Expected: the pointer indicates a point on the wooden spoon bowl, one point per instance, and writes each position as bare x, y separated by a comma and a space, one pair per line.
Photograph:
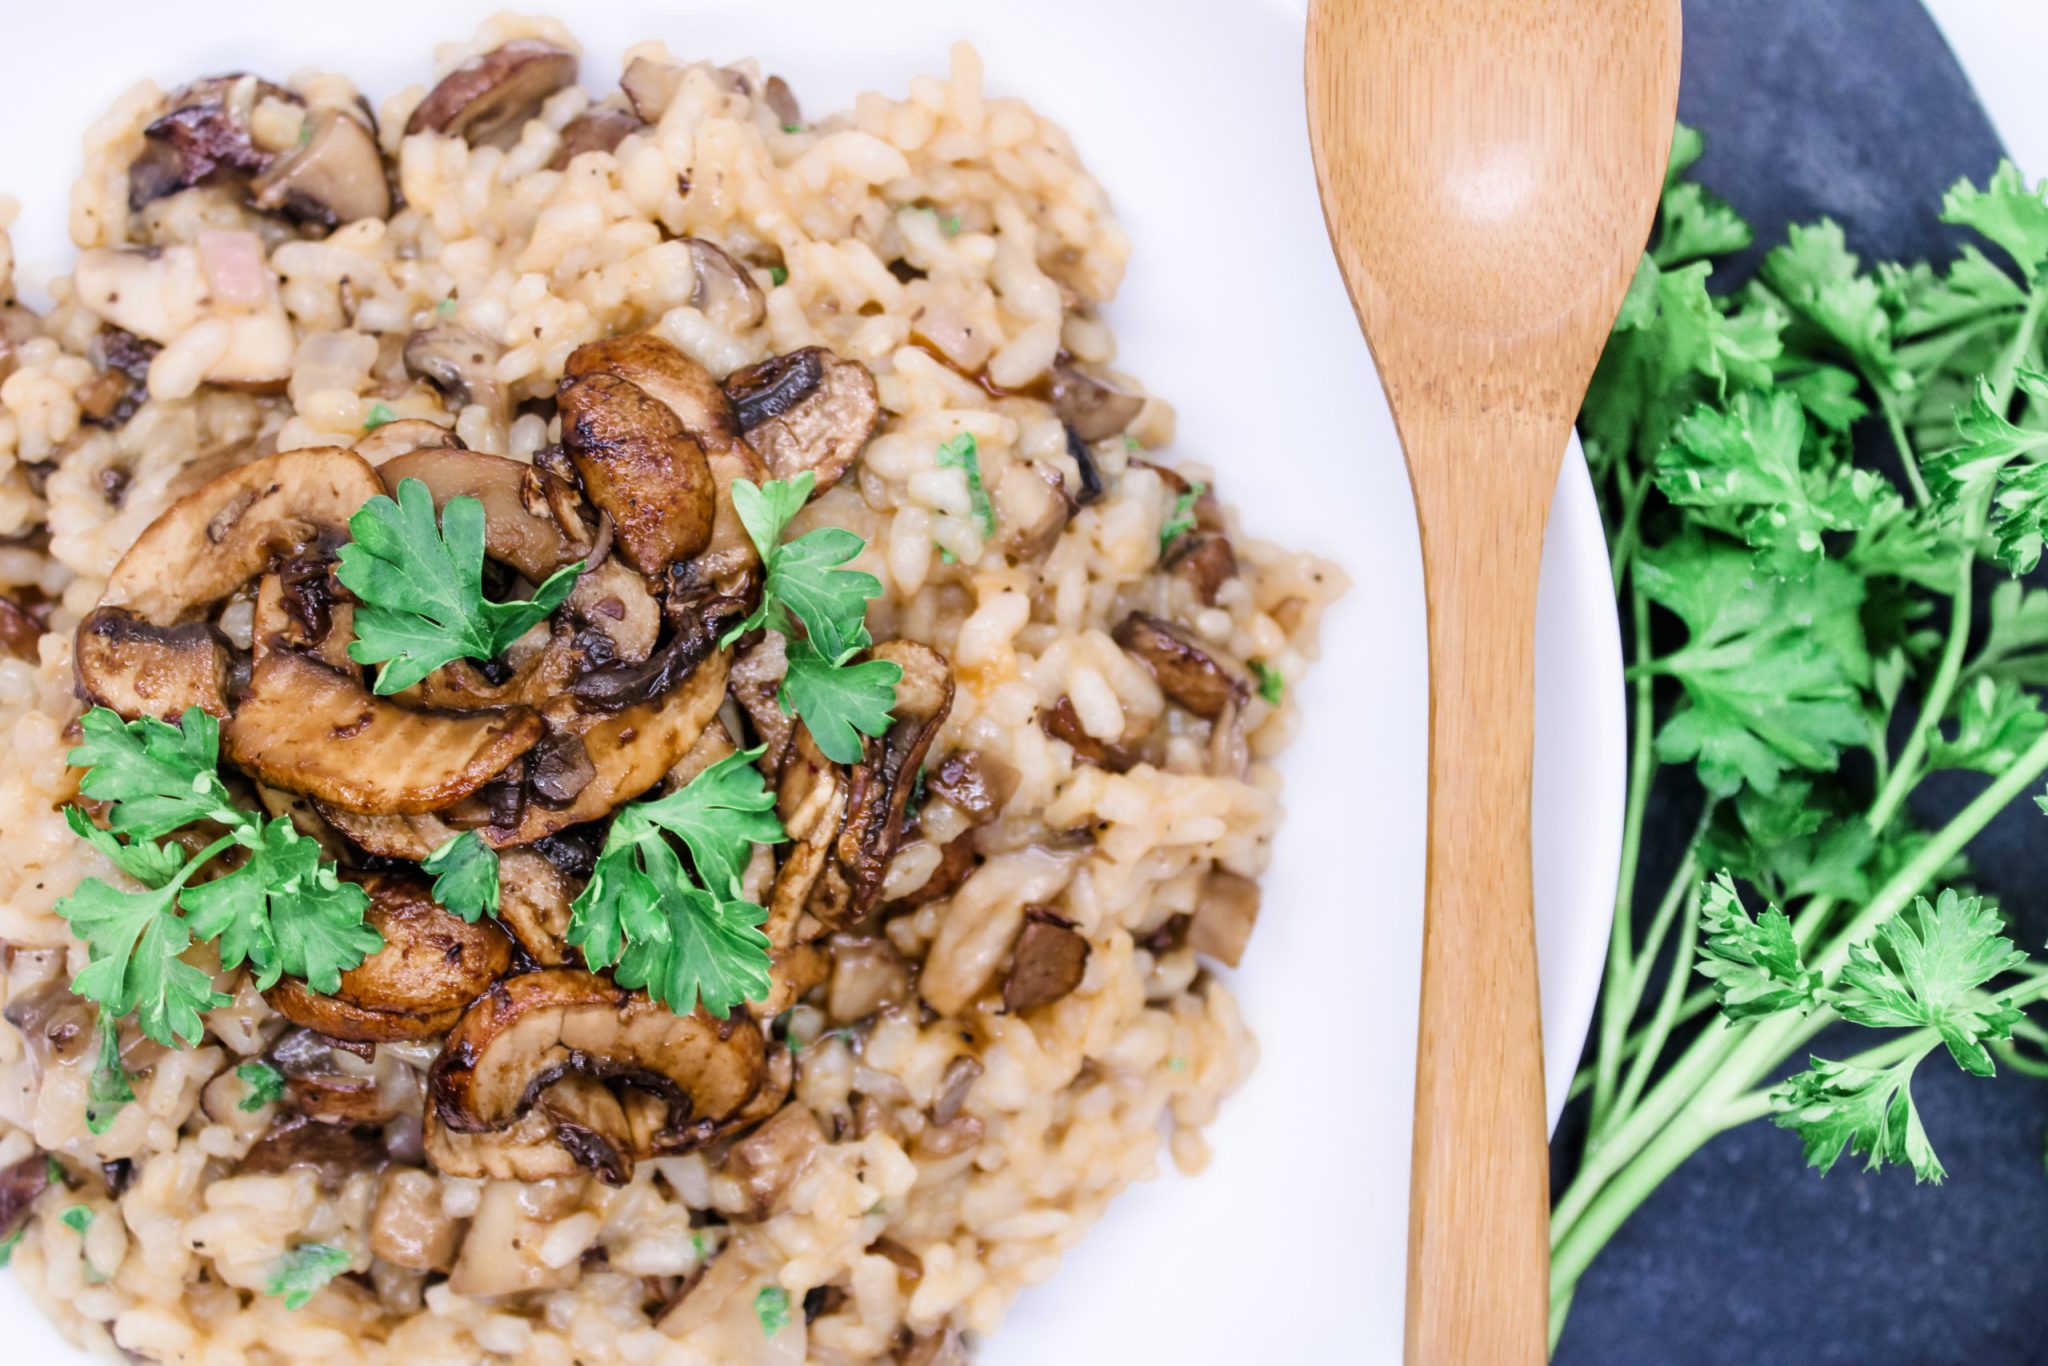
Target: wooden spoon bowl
1489, 172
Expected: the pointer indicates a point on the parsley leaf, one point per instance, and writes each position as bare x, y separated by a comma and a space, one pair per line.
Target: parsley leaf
465, 873
304, 1271
421, 587
842, 702
686, 942
778, 275
284, 911
1816, 274
263, 1083
379, 415
1181, 520
2006, 212
133, 940
771, 1306
1835, 1106
108, 1089
961, 453
1754, 964
159, 776
1924, 967
1995, 722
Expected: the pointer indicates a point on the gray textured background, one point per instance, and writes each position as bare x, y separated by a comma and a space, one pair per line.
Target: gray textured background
1853, 108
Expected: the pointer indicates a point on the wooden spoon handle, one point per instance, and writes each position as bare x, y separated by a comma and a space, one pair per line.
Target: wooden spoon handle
1479, 1195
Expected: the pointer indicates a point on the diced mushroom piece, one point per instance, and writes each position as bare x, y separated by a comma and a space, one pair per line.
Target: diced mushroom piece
1206, 562
533, 903
879, 786
305, 727
808, 410
641, 467
21, 632
943, 1348
979, 784
768, 1161
431, 967
404, 436
204, 136
1187, 674
724, 292
1062, 722
492, 96
781, 101
1225, 911
56, 1026
216, 539
527, 1032
868, 975
409, 1227
501, 1253
959, 1079
1049, 961
612, 601
1084, 461
594, 130
111, 397
956, 865
335, 175
335, 1152
513, 535
161, 293
937, 1142
459, 363
756, 679
20, 1184
138, 669
559, 768
650, 85
1090, 405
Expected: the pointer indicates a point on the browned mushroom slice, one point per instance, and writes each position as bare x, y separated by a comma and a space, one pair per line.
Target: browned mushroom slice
793, 969
576, 1124
21, 632
217, 538
808, 410
296, 610
1187, 674
334, 176
756, 682
1206, 562
978, 784
956, 865
334, 1152
1091, 406
724, 292
411, 838
308, 728
533, 903
770, 1160
528, 1032
810, 801
20, 1184
1062, 722
614, 602
204, 136
394, 439
533, 545
639, 466
139, 669
647, 362
1049, 961
432, 965
110, 398
459, 363
1225, 910
594, 130
495, 94
650, 85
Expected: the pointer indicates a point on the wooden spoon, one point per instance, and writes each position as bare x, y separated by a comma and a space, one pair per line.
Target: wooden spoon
1489, 171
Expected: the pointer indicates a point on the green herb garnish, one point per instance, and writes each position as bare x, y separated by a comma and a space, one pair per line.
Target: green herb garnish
839, 701
263, 1083
420, 586
688, 941
465, 873
771, 1306
1272, 687
282, 911
1181, 520
379, 414
301, 1273
78, 1219
108, 1089
445, 308
792, 128
9, 1243
961, 453
778, 275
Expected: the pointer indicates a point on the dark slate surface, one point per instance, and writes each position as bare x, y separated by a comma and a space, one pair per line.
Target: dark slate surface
1853, 108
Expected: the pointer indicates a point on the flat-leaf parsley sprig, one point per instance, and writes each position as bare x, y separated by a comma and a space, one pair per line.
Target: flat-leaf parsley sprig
839, 701
421, 587
280, 908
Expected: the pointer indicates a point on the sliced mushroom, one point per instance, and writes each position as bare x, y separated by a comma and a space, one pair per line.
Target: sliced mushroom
666, 374
1225, 911
774, 1157
1062, 722
622, 683
1084, 461
1048, 962
527, 1032
513, 535
405, 435
459, 363
756, 682
1206, 562
1091, 406
335, 1152
868, 975
409, 1226
594, 130
203, 137
533, 903
20, 1184
411, 838
305, 727
139, 669
954, 1086
724, 292
1187, 674
161, 293
296, 609
613, 602
21, 630
956, 865
641, 467
56, 1026
122, 385
650, 85
978, 784
576, 1125
334, 176
431, 967
494, 95
808, 410
217, 538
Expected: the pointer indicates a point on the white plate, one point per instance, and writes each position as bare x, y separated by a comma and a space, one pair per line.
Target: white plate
1290, 1248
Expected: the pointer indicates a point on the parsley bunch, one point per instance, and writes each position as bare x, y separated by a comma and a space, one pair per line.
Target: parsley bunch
271, 901
1808, 650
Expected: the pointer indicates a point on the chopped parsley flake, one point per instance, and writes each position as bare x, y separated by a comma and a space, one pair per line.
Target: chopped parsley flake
1272, 686
792, 128
379, 414
264, 1082
301, 1273
78, 1219
1181, 520
771, 1306
446, 308
11, 1242
961, 453
778, 275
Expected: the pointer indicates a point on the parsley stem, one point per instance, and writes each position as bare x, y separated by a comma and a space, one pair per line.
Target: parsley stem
1621, 988
1669, 1004
1909, 459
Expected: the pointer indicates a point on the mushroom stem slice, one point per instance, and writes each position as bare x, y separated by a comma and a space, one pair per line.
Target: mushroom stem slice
140, 669
335, 176
225, 533
307, 728
528, 1032
489, 98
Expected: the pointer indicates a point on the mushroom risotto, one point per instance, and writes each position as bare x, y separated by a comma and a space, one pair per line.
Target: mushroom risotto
622, 744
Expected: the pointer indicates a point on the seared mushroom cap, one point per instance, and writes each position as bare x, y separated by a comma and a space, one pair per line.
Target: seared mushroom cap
494, 94
724, 292
217, 538
575, 1125
335, 176
808, 410
431, 967
528, 1032
641, 467
306, 727
140, 669
594, 130
513, 535
1187, 673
